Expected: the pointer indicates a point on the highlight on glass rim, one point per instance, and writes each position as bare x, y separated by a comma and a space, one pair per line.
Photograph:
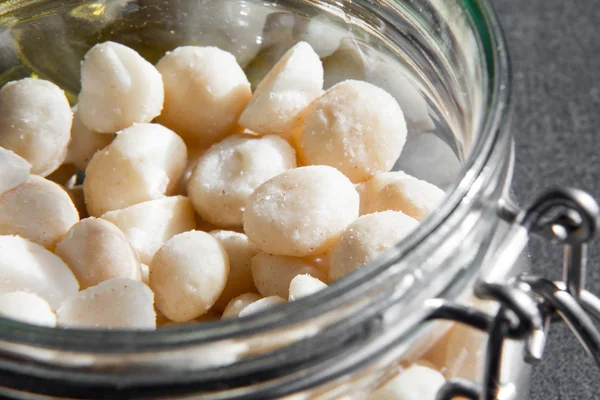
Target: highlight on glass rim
244, 199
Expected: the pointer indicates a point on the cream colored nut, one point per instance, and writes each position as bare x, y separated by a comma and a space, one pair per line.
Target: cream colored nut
301, 212
14, 170
369, 190
366, 238
321, 33
38, 210
237, 304
35, 123
413, 197
261, 305
355, 127
205, 93
145, 274
415, 383
273, 274
96, 251
27, 307
349, 61
84, 143
118, 88
188, 274
428, 157
144, 162
229, 172
304, 285
26, 266
116, 303
149, 225
240, 251
282, 96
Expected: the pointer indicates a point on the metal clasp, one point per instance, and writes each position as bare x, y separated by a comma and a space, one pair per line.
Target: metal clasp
529, 303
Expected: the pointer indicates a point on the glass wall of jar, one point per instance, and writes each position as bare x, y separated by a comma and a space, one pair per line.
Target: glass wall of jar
446, 64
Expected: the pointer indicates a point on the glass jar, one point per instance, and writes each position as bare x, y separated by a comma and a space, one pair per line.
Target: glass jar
446, 63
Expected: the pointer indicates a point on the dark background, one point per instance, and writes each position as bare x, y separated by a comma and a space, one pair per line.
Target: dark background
555, 49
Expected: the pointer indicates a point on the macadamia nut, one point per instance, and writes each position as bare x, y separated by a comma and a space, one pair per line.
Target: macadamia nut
273, 274
415, 383
27, 307
96, 251
355, 127
281, 97
261, 305
366, 238
113, 304
118, 88
188, 274
35, 123
238, 304
26, 266
240, 251
205, 93
369, 190
85, 143
301, 212
38, 210
144, 162
229, 172
149, 225
304, 285
14, 170
413, 197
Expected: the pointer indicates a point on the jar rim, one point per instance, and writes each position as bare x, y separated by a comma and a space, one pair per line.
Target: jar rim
341, 292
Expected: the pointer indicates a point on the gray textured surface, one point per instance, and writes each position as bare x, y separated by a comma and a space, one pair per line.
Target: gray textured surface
555, 49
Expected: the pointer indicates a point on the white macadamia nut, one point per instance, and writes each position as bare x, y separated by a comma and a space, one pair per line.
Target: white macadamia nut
194, 155
26, 266
261, 305
27, 307
14, 170
96, 251
237, 304
118, 88
38, 210
35, 123
145, 274
369, 190
355, 127
229, 172
113, 304
349, 61
149, 225
205, 93
414, 197
85, 143
415, 383
273, 274
428, 157
366, 238
321, 33
188, 274
240, 251
144, 162
304, 285
301, 212
282, 96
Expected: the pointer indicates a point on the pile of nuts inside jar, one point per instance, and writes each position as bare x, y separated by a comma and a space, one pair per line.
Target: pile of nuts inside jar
201, 199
